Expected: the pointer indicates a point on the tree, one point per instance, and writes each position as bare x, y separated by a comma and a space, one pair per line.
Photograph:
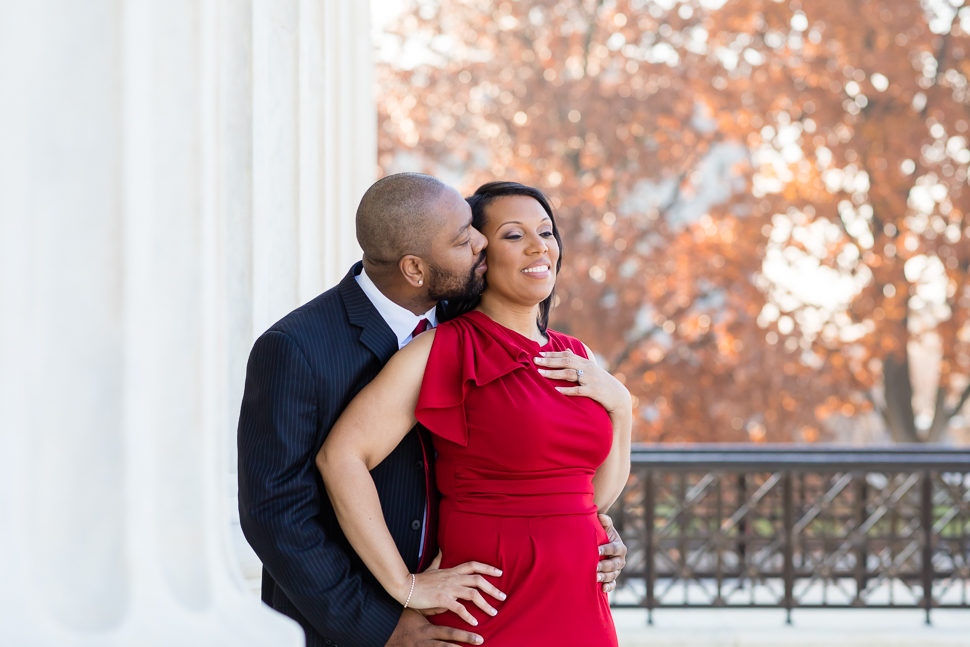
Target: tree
762, 203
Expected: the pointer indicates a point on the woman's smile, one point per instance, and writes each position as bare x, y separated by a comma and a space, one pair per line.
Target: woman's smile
539, 270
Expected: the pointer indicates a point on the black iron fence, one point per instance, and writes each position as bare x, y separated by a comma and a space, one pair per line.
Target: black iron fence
789, 527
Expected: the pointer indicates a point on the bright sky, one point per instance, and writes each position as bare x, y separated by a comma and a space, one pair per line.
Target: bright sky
383, 10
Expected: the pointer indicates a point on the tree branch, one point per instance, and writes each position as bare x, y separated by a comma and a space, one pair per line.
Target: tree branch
959, 405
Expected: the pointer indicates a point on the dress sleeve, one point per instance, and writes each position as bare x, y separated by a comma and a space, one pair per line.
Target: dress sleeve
463, 355
441, 402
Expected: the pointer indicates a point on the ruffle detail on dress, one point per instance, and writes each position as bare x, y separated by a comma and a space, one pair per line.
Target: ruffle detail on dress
469, 349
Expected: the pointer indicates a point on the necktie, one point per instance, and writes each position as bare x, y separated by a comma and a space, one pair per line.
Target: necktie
423, 325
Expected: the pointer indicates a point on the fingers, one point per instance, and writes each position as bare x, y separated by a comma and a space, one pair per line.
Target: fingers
605, 520
480, 582
569, 374
476, 598
564, 359
561, 353
459, 609
469, 568
447, 635
435, 563
613, 549
609, 570
455, 635
609, 586
573, 390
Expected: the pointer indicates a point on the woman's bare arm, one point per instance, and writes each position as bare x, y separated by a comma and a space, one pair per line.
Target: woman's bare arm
369, 429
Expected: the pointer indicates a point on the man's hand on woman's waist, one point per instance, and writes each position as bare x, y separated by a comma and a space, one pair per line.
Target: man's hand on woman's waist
612, 556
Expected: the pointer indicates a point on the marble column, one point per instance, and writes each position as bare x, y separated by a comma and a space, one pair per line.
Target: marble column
175, 175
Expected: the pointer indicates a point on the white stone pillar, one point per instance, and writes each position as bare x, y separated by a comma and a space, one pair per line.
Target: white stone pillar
174, 177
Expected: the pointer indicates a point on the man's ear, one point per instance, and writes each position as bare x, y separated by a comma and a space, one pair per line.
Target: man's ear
414, 270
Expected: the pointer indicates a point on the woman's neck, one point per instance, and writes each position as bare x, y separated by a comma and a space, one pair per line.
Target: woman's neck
521, 319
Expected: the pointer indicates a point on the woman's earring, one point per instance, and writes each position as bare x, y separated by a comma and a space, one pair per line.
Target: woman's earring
420, 281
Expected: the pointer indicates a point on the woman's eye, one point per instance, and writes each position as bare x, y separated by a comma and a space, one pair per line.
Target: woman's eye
513, 237
546, 234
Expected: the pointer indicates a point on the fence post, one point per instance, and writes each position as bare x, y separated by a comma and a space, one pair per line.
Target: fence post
789, 567
648, 557
927, 523
862, 552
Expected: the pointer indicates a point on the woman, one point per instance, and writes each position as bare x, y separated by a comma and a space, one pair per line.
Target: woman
532, 437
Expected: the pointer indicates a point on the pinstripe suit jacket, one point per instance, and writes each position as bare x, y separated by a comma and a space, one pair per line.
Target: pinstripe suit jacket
302, 372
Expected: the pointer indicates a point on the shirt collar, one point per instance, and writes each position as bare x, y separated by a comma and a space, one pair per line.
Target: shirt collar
401, 321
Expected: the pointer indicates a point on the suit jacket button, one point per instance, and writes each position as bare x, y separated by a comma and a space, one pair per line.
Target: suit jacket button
419, 465
415, 525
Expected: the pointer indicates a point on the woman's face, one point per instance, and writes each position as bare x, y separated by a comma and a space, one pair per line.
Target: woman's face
522, 251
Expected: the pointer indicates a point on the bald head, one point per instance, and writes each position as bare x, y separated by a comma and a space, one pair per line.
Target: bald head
397, 216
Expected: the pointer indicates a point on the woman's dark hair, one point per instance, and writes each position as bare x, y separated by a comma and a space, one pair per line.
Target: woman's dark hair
484, 196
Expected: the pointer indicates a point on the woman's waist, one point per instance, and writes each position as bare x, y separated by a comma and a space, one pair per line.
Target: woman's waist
521, 494
503, 540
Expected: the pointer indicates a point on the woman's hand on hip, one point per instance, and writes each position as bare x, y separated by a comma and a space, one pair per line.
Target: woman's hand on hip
442, 589
591, 380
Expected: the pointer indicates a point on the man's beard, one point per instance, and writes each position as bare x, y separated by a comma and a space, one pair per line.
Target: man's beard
443, 286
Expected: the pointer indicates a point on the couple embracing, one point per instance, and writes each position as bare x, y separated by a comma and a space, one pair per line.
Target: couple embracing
421, 460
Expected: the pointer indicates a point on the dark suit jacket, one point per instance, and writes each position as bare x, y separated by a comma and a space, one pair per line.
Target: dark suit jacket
302, 372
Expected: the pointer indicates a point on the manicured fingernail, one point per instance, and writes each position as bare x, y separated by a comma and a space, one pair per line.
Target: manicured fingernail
474, 622
537, 360
502, 596
599, 577
558, 389
477, 640
602, 550
492, 611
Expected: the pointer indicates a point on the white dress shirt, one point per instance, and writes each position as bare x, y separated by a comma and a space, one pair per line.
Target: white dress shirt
402, 323
401, 320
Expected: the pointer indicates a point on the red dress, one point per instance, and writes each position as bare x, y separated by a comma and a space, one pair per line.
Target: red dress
515, 465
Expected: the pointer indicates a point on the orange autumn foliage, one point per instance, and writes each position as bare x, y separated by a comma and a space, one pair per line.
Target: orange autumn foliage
763, 204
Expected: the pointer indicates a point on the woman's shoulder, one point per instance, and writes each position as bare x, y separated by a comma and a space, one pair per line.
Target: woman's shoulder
463, 326
413, 357
560, 341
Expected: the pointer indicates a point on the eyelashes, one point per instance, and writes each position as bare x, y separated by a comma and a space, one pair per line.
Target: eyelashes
545, 234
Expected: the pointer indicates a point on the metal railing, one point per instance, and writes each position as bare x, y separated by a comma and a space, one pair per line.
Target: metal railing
789, 526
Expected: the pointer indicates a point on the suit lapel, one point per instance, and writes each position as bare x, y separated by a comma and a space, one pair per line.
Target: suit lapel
376, 335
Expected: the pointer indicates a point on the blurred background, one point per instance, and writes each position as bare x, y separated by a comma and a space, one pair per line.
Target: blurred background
763, 203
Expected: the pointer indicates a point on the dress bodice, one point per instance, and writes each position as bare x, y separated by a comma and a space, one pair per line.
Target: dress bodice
508, 442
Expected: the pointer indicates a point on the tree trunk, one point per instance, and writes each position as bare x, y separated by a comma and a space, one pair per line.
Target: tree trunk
941, 417
899, 414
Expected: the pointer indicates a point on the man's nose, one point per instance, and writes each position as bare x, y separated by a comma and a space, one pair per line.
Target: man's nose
479, 242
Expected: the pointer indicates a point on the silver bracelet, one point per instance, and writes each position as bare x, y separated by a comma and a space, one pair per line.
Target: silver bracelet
408, 601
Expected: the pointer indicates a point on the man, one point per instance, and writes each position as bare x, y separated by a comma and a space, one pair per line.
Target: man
419, 249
